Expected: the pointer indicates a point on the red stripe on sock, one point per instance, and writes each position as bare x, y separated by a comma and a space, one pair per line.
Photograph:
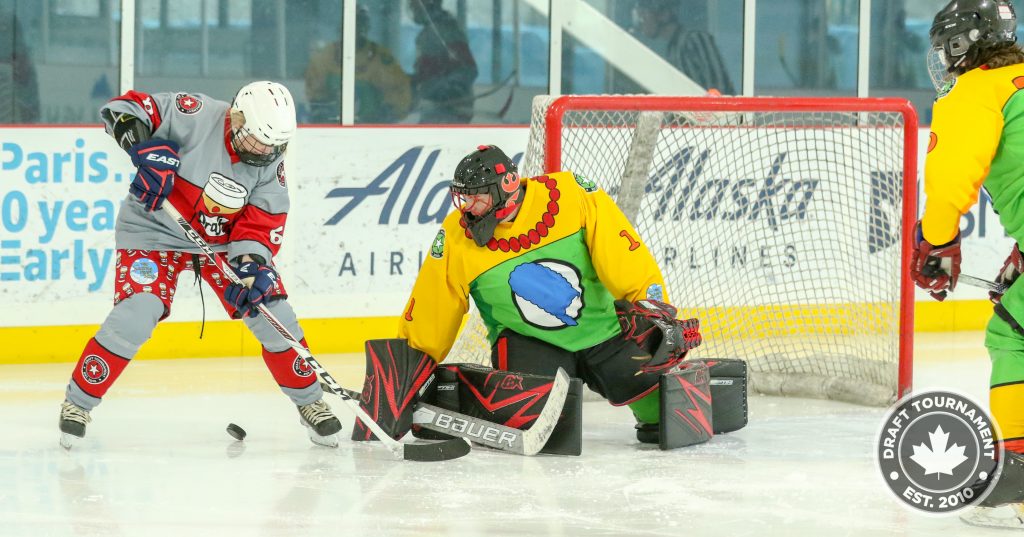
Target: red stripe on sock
97, 369
1014, 444
289, 369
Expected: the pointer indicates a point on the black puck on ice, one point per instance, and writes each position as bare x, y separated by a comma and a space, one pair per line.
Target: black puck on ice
236, 432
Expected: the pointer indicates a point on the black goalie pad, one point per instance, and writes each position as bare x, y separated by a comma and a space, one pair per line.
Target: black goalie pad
395, 375
686, 411
728, 393
507, 398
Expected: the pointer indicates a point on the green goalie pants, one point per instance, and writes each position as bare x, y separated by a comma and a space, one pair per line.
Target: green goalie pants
1005, 345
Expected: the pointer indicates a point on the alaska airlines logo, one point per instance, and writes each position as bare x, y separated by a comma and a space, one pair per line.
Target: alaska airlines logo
425, 200
547, 293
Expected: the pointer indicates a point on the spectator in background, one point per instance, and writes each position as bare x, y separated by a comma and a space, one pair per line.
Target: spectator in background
443, 75
19, 92
694, 52
383, 94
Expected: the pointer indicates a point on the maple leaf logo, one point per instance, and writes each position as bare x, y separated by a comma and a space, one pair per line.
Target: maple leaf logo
937, 459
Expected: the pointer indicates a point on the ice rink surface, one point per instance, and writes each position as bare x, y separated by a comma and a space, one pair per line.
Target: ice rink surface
157, 461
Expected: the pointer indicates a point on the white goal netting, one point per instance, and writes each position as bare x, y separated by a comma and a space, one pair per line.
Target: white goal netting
778, 222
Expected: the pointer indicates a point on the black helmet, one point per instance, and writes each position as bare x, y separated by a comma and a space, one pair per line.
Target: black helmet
486, 171
964, 26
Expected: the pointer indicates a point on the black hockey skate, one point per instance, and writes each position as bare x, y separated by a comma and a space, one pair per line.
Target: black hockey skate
321, 423
647, 433
1004, 505
72, 423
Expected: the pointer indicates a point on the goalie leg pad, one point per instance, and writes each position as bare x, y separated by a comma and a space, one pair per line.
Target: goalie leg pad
443, 392
728, 393
567, 436
395, 375
508, 398
686, 411
515, 352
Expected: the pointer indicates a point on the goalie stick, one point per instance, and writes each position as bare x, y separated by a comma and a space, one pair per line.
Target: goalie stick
494, 435
438, 451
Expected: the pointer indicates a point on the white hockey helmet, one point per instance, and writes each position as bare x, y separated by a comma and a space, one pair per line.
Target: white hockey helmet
269, 111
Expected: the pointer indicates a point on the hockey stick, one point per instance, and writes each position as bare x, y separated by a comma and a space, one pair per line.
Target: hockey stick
982, 283
494, 435
439, 451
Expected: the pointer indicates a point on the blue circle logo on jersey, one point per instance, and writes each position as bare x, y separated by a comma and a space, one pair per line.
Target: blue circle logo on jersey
547, 293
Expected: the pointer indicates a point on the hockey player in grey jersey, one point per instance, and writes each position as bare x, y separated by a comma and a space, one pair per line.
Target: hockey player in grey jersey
222, 167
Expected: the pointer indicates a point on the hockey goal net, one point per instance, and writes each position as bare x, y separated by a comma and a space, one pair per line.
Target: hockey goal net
781, 223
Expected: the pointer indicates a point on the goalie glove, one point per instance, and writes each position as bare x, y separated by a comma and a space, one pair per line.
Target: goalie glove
935, 268
1012, 268
653, 326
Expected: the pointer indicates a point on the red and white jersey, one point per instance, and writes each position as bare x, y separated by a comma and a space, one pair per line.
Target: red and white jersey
239, 209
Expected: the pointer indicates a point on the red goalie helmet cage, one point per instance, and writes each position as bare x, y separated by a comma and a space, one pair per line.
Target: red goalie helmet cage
783, 224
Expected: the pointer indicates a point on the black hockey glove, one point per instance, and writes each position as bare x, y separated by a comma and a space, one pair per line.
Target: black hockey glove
653, 326
260, 283
158, 162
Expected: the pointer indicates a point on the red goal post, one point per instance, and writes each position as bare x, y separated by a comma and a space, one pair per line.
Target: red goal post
782, 223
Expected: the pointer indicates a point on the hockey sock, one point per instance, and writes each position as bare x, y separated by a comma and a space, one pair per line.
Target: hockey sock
95, 372
289, 369
395, 375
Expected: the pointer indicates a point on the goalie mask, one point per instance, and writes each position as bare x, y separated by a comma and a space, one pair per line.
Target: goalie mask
486, 189
963, 27
269, 122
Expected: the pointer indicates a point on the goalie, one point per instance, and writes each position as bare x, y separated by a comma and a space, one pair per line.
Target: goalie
561, 279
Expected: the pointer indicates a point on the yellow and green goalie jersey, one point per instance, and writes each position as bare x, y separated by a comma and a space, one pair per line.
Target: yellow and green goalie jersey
552, 273
977, 140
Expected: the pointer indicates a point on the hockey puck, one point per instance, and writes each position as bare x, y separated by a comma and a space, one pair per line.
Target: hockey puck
236, 432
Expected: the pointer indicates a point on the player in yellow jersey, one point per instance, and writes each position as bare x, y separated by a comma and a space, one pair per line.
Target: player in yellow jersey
976, 141
561, 279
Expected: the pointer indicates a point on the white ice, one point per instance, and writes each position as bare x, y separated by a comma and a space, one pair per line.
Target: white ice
157, 461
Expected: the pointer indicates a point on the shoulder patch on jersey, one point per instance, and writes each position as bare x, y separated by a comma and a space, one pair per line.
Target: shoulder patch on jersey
655, 292
437, 247
585, 183
280, 173
188, 104
946, 88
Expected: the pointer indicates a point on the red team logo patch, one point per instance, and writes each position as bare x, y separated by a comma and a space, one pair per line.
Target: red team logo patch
187, 104
94, 369
280, 173
301, 368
